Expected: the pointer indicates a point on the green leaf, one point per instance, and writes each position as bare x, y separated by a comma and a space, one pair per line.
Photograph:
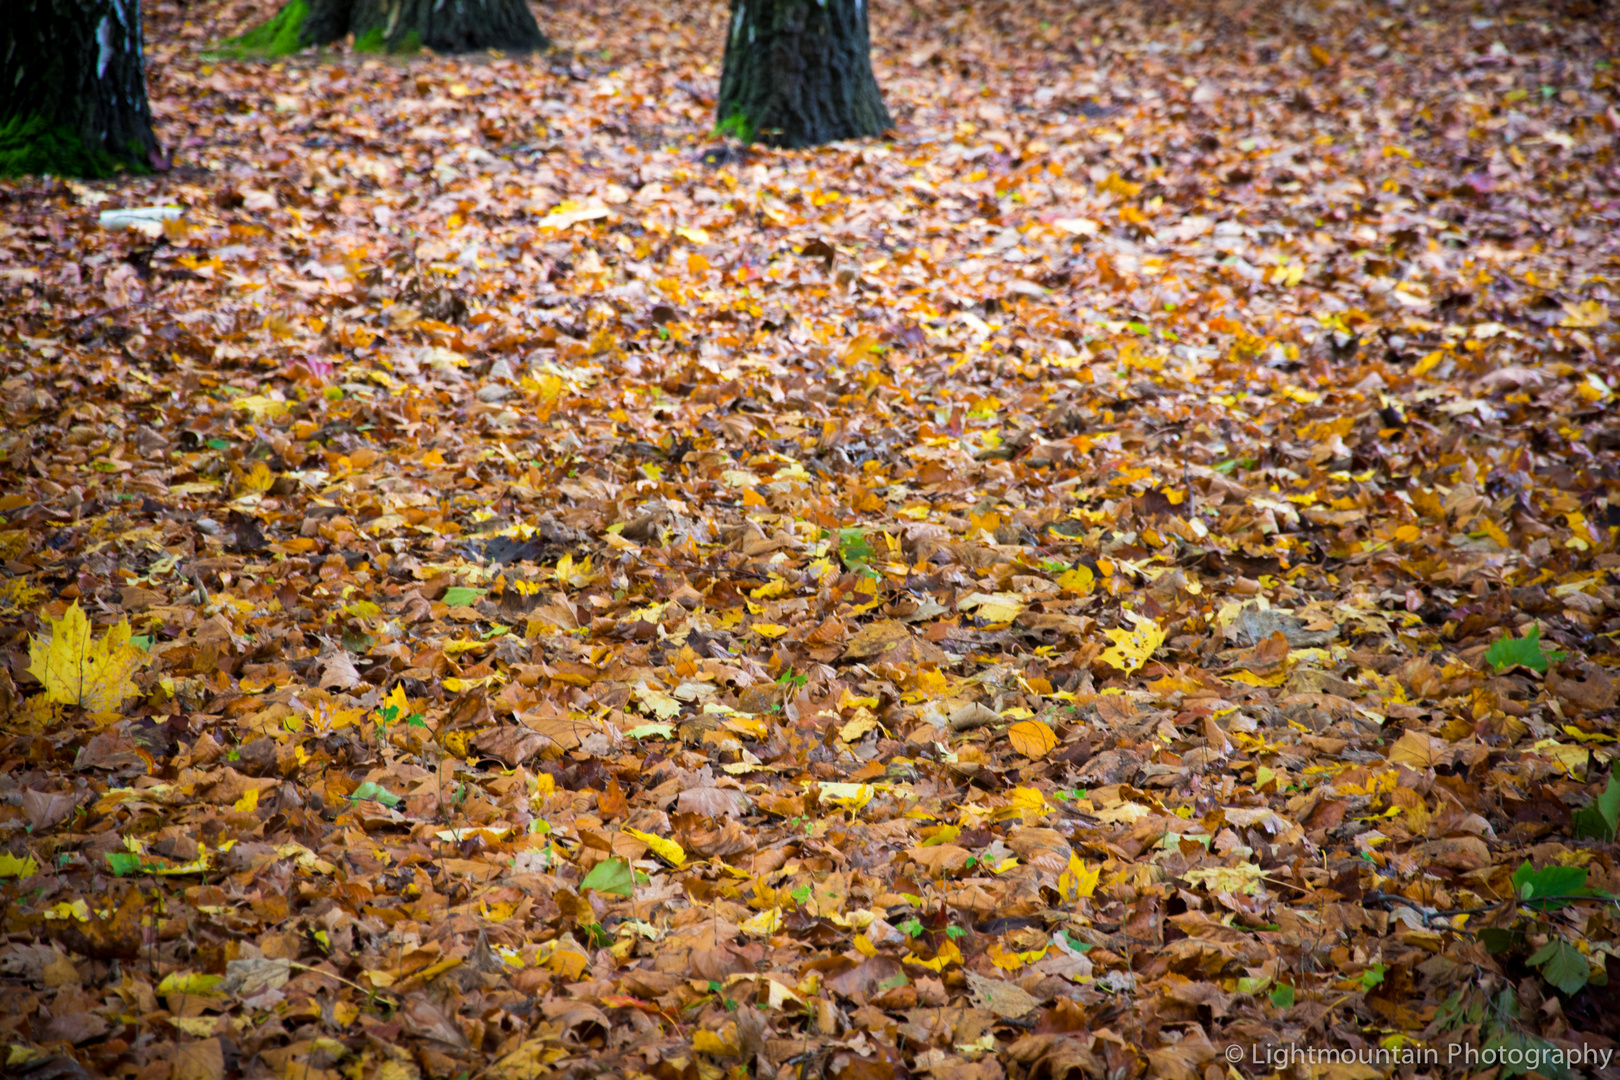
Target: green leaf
1561, 964
1077, 946
1551, 887
1515, 1049
1522, 652
853, 548
461, 595
125, 863
611, 876
801, 895
1372, 977
1282, 996
371, 790
1497, 939
1601, 820
894, 981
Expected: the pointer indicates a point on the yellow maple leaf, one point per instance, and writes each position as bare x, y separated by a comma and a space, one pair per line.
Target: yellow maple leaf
1008, 960
189, 983
1249, 678
568, 960
1080, 580
1026, 803
259, 478
765, 922
1586, 315
77, 669
1132, 648
722, 1043
13, 867
1079, 879
668, 850
946, 955
1243, 878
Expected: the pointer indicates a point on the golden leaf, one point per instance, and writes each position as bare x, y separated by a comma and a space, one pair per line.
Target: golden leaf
1417, 750
863, 722
259, 478
13, 867
656, 702
76, 669
1242, 878
766, 922
1249, 678
668, 850
1080, 580
1586, 315
1132, 648
569, 961
1032, 738
1078, 879
723, 1043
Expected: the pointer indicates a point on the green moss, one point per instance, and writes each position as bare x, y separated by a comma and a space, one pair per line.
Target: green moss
375, 41
35, 146
737, 126
371, 41
281, 36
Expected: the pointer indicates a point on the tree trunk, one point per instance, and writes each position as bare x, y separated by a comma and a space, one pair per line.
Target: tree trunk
73, 89
448, 26
799, 73
396, 26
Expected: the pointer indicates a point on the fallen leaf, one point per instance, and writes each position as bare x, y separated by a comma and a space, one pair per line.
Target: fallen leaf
1032, 738
79, 669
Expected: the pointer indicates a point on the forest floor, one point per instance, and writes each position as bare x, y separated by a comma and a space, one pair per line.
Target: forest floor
1118, 579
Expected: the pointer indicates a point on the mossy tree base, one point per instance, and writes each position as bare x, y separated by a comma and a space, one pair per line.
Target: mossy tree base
799, 73
394, 26
73, 89
283, 34
33, 146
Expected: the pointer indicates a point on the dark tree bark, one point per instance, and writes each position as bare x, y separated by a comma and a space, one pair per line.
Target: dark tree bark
399, 26
799, 73
449, 25
73, 89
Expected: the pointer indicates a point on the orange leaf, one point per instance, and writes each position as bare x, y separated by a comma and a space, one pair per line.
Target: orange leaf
1032, 738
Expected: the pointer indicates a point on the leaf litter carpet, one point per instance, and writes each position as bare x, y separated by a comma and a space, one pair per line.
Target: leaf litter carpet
506, 584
